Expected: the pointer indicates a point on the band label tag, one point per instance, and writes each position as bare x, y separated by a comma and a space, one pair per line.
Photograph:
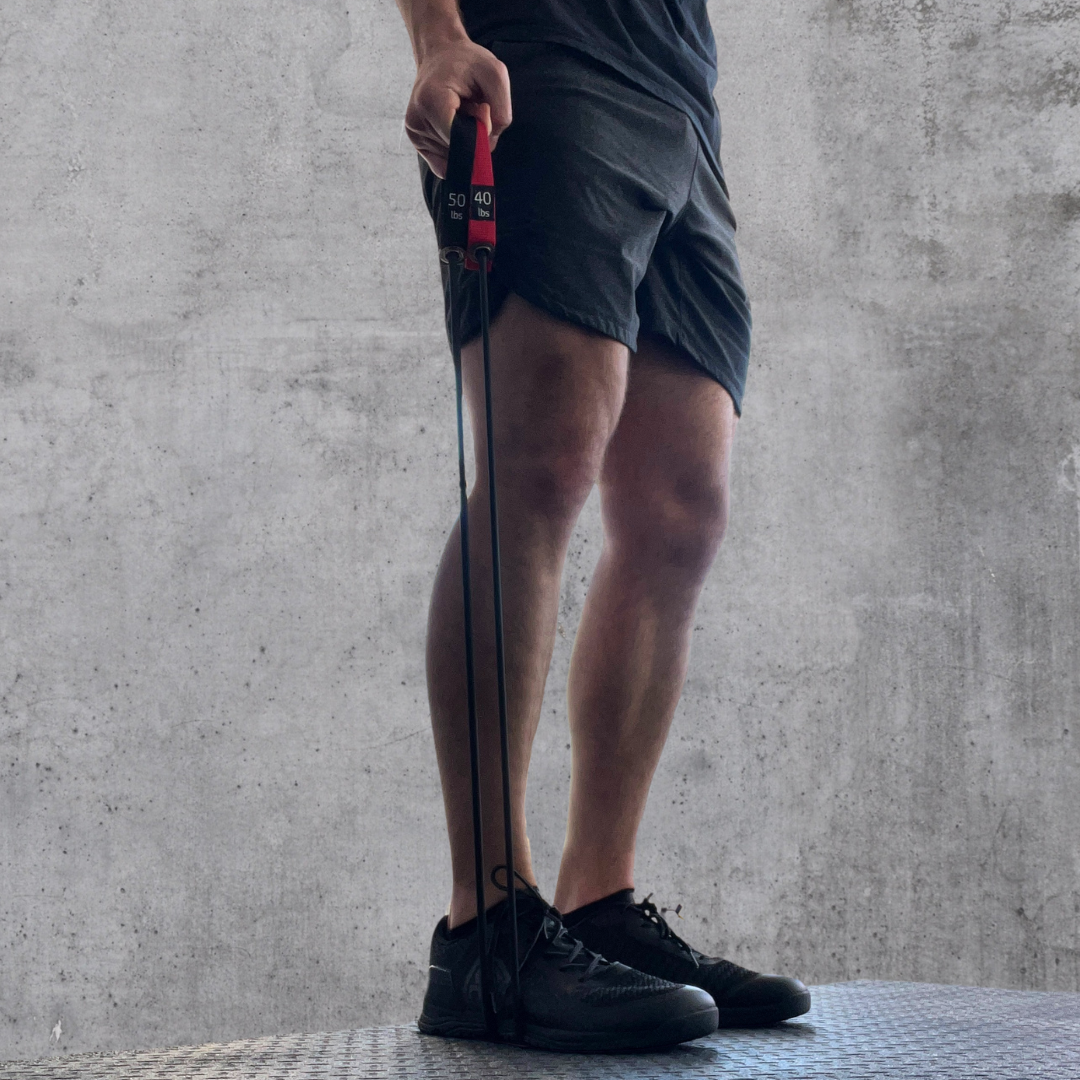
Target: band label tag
483, 203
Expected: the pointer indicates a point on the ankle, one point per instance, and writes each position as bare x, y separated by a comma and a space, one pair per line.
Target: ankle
462, 907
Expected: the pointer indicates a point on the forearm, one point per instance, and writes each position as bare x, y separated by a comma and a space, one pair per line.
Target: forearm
432, 24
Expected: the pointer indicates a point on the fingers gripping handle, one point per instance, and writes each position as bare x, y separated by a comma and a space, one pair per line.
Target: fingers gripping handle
466, 213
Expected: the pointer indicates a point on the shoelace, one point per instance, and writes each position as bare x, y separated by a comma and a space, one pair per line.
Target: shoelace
652, 916
558, 941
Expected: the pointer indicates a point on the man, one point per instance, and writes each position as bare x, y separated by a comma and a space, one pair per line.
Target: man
620, 342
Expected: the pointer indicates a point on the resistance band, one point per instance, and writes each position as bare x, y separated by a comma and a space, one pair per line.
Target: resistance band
465, 225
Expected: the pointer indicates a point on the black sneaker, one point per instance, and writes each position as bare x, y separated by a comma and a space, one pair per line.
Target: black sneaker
638, 935
572, 999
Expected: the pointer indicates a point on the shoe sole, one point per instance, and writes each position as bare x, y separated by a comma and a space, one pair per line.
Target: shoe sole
766, 1014
677, 1030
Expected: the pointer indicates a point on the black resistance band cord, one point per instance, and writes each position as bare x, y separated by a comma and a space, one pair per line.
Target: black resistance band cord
465, 223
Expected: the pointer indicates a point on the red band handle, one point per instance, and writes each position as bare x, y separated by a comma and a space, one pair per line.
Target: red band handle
481, 199
465, 219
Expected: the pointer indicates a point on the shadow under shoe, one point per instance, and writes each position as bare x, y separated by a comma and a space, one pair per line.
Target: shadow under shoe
572, 999
638, 935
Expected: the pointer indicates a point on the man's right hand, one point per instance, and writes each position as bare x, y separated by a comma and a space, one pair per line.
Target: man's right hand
451, 75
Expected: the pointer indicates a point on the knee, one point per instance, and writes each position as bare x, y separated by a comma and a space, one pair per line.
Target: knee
675, 526
551, 478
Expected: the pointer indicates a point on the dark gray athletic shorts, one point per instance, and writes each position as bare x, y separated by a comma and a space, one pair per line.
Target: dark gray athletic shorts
610, 215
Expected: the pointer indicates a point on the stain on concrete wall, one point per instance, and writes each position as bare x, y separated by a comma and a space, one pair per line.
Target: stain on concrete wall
226, 472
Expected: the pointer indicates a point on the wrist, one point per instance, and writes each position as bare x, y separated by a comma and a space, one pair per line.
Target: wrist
436, 34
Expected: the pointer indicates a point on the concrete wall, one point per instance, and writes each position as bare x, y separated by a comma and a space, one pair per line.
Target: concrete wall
226, 471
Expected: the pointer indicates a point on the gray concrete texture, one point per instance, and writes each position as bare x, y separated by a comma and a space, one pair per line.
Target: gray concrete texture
227, 471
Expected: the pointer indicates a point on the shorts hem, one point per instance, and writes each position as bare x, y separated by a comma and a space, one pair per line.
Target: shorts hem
736, 399
547, 303
558, 310
725, 380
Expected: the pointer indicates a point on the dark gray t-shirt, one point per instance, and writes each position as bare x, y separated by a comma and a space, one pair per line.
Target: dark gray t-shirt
664, 46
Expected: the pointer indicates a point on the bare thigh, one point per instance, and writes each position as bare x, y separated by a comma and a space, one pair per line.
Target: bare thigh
558, 391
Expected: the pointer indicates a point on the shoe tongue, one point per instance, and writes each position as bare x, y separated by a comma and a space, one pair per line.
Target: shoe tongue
536, 919
531, 908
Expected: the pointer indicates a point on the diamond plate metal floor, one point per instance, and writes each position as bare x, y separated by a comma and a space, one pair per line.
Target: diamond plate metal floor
855, 1031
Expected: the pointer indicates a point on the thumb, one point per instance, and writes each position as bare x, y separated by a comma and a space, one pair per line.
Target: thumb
480, 110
